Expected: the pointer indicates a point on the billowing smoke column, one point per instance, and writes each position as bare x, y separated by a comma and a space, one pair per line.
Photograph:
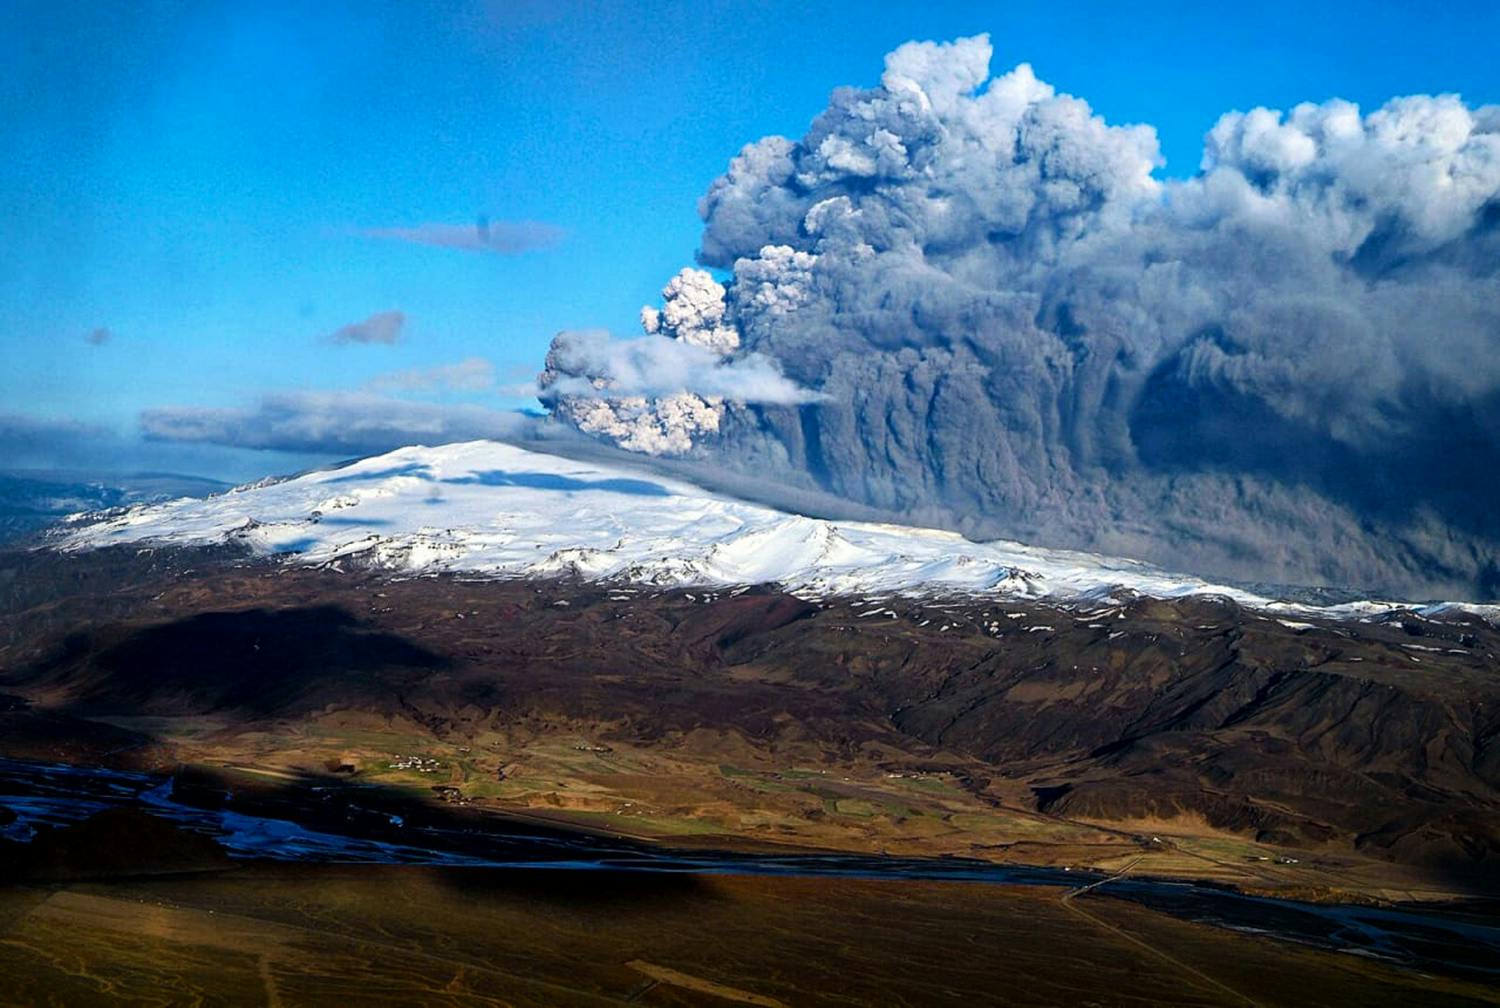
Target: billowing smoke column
1286, 368
656, 395
693, 315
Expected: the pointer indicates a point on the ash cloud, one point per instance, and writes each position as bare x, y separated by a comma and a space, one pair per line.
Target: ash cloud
1286, 368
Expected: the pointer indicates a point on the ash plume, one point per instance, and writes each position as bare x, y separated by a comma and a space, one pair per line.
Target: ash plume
659, 393
1286, 368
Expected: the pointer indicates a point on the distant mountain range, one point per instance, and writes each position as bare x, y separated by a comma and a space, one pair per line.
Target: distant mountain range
31, 499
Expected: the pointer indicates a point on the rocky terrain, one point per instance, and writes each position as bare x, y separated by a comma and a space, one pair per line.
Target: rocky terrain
1199, 735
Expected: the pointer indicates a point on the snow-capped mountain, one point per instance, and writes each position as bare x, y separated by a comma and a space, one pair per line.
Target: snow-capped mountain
485, 508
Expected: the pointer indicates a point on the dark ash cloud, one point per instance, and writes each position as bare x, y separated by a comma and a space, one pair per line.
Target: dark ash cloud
329, 423
484, 235
382, 327
1286, 368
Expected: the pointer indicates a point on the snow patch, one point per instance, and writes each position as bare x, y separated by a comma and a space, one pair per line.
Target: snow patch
494, 510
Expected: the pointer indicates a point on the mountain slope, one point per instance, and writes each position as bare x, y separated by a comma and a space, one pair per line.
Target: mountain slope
586, 611
495, 509
1034, 731
31, 499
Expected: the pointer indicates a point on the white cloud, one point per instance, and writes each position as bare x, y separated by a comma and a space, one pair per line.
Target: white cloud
592, 364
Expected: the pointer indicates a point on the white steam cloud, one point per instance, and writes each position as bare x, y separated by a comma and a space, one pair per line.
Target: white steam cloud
654, 367
658, 394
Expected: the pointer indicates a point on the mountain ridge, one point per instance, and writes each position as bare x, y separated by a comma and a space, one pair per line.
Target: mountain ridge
487, 508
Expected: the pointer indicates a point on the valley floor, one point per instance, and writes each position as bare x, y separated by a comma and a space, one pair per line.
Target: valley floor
364, 935
1191, 739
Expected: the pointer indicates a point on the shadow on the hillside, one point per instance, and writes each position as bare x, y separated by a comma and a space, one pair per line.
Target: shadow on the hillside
528, 480
418, 469
338, 820
258, 661
565, 484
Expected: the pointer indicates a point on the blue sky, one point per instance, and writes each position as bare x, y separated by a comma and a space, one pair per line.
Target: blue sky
198, 179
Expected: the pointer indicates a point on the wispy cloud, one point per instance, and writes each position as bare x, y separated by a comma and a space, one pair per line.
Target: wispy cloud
382, 327
475, 374
484, 235
333, 423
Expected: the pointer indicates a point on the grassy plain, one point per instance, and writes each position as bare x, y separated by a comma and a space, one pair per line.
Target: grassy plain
304, 935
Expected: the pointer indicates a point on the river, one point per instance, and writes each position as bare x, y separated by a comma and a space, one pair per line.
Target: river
43, 794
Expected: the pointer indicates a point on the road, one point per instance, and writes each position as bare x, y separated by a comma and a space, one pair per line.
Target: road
1203, 978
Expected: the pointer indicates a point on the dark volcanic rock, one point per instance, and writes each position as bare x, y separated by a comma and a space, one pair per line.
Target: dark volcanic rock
1380, 735
726, 622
